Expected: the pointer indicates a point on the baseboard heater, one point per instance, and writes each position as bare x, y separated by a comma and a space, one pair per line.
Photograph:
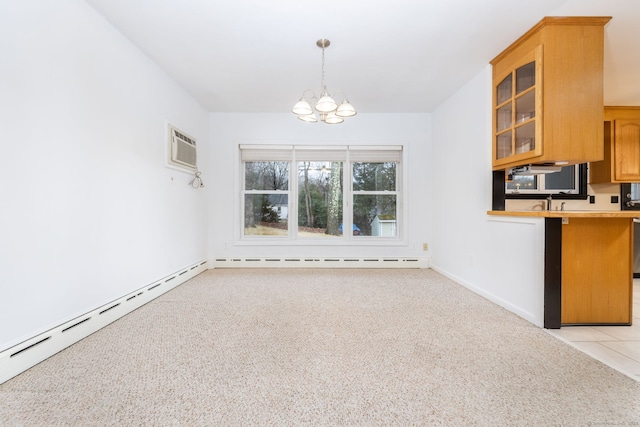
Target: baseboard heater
20, 357
312, 262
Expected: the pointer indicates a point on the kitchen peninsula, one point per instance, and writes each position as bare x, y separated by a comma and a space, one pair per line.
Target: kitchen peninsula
548, 113
588, 266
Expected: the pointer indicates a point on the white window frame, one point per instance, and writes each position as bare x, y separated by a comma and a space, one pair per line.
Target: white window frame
294, 154
542, 188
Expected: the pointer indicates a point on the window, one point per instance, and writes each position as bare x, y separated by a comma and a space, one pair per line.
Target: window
320, 199
331, 193
266, 193
570, 182
375, 198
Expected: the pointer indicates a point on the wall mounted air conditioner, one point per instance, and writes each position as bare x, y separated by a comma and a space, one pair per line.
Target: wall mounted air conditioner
182, 149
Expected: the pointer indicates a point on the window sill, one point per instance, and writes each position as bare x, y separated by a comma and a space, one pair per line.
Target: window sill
364, 241
541, 196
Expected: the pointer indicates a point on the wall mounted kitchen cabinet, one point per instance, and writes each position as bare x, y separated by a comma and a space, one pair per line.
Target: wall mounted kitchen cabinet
621, 162
548, 95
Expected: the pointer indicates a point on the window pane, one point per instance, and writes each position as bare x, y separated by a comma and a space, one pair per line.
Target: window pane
525, 77
503, 145
563, 180
319, 199
375, 215
266, 176
523, 183
504, 90
266, 214
526, 107
635, 191
503, 117
374, 176
526, 138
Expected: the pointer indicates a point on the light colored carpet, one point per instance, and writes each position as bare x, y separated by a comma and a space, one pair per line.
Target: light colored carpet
320, 347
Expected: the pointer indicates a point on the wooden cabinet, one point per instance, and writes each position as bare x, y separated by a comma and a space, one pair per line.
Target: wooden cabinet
621, 162
548, 95
597, 271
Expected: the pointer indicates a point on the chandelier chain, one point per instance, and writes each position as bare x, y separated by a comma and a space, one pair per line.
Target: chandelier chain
322, 86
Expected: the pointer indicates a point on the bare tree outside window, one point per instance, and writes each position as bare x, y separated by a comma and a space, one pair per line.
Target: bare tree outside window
319, 199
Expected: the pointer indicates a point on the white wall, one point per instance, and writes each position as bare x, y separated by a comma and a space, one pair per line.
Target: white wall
88, 211
501, 259
229, 130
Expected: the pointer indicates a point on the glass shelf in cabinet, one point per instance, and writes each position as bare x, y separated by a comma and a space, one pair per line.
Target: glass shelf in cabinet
524, 118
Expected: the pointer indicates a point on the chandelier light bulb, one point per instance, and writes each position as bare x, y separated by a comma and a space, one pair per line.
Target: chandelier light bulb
326, 103
333, 119
345, 109
311, 118
302, 107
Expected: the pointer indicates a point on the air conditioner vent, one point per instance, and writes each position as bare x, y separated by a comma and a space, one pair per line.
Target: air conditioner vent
182, 149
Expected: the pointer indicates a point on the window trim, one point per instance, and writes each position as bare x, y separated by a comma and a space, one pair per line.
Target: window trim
581, 195
363, 153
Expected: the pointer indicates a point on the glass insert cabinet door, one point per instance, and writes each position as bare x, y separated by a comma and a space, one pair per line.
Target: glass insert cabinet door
517, 99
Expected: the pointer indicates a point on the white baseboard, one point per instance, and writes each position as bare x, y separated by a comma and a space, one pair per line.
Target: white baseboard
20, 357
531, 317
313, 262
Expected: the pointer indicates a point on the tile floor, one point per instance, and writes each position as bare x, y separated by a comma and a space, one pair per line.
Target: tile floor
616, 346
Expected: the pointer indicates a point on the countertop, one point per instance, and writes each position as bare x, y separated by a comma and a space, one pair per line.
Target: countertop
569, 214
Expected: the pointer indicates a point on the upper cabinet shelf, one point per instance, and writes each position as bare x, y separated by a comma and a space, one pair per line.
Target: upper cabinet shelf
548, 94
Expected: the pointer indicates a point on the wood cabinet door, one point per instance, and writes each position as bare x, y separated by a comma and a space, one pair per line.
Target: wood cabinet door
517, 113
597, 271
626, 150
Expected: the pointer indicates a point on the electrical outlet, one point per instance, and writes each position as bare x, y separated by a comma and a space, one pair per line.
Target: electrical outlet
425, 246
592, 199
614, 199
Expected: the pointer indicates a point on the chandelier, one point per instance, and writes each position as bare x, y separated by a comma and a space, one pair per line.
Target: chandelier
326, 108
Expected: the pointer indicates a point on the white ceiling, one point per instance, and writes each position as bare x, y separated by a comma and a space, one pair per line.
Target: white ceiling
387, 57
